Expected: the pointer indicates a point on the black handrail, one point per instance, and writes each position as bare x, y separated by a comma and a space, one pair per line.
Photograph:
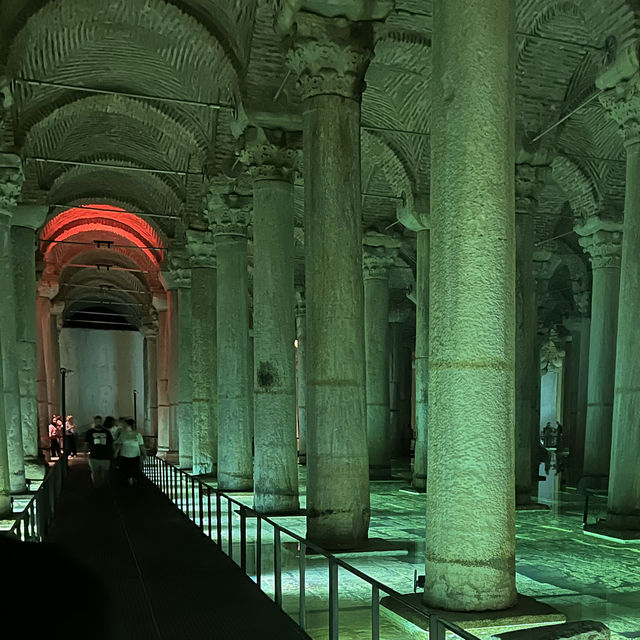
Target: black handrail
170, 479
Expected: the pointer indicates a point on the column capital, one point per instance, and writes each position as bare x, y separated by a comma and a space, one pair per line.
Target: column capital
228, 212
11, 180
602, 240
378, 254
330, 55
201, 249
301, 303
178, 275
414, 213
271, 154
551, 353
620, 86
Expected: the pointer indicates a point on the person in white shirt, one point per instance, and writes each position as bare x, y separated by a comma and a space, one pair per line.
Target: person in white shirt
130, 450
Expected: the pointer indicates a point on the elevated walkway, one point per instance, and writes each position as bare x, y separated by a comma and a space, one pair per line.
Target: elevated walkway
162, 578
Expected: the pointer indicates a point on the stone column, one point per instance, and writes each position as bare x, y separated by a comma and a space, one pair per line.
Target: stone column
602, 240
421, 361
150, 333
167, 441
11, 178
301, 379
378, 257
179, 280
470, 541
23, 248
622, 98
330, 57
205, 352
397, 379
230, 215
271, 160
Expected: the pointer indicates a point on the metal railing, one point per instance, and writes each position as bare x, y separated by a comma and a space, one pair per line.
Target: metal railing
33, 522
203, 505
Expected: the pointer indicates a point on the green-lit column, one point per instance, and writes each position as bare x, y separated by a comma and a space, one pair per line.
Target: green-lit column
330, 57
301, 376
378, 258
602, 240
11, 179
180, 283
622, 98
150, 333
271, 160
205, 351
23, 250
470, 538
230, 216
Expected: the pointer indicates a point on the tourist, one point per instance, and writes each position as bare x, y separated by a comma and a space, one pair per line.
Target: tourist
130, 449
100, 443
54, 437
72, 437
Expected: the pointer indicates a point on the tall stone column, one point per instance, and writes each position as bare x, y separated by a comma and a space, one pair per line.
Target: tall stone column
470, 541
398, 363
622, 99
23, 246
301, 377
421, 361
205, 351
271, 160
229, 215
602, 240
179, 281
150, 333
330, 57
378, 258
11, 178
167, 440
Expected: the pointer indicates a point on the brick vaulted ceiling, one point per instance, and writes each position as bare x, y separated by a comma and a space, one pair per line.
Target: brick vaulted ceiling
226, 52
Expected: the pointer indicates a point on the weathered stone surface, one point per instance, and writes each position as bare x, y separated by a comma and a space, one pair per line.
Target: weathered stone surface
470, 561
579, 630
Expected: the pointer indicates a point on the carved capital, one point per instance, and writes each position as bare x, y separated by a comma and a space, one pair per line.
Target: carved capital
11, 180
529, 180
271, 154
603, 246
201, 248
229, 212
330, 55
301, 303
178, 275
582, 299
150, 327
551, 353
622, 103
379, 252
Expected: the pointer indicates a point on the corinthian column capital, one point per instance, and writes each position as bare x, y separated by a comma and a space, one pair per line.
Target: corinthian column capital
228, 211
529, 179
201, 249
11, 180
270, 154
330, 55
379, 252
604, 248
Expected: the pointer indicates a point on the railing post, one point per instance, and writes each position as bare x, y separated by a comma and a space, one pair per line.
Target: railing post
186, 492
209, 509
302, 601
277, 566
436, 628
230, 526
259, 551
201, 506
193, 497
375, 612
333, 600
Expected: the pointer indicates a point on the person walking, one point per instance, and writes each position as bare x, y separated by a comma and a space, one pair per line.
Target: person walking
130, 449
72, 437
100, 443
54, 437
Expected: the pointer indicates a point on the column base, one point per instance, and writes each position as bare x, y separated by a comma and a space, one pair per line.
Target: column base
276, 505
419, 484
528, 612
618, 528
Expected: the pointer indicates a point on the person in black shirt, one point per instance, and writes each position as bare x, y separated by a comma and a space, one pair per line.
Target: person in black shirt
100, 443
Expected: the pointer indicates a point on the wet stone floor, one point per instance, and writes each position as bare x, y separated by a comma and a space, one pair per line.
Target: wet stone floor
582, 576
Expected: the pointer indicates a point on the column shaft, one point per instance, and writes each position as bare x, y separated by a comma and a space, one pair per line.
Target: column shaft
275, 464
42, 311
184, 358
301, 379
235, 460
10, 380
421, 360
205, 370
470, 541
527, 361
376, 337
165, 442
602, 363
151, 390
624, 487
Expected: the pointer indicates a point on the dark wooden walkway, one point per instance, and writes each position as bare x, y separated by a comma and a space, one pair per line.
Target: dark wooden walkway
163, 579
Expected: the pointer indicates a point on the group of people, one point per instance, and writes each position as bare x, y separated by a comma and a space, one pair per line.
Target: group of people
63, 436
115, 443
